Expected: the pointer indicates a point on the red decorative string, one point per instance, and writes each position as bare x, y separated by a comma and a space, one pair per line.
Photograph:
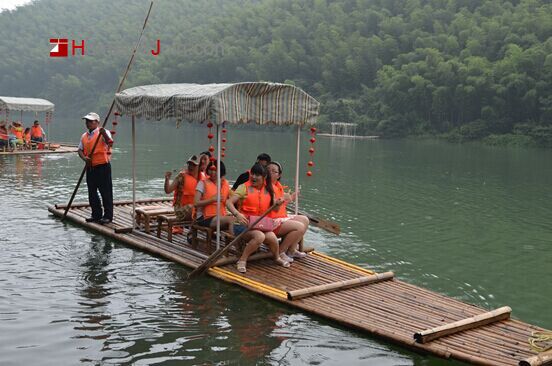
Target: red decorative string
312, 140
224, 139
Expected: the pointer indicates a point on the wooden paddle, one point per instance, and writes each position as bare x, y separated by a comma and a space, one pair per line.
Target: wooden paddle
219, 252
327, 225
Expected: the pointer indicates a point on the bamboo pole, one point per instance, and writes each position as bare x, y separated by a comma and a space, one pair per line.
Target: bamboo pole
119, 87
429, 335
121, 202
337, 286
543, 358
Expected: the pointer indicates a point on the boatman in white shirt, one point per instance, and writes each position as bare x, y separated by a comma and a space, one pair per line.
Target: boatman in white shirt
98, 169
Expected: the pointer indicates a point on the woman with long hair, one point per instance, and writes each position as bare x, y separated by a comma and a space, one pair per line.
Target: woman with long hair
206, 199
291, 228
257, 196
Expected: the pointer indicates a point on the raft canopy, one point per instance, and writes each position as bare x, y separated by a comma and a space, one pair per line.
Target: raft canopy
250, 102
26, 104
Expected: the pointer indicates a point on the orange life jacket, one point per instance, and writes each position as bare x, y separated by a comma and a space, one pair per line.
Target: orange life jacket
27, 136
186, 193
102, 153
256, 202
211, 191
36, 131
278, 193
18, 132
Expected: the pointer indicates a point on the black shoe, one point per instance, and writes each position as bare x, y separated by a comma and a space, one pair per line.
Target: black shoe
105, 221
92, 219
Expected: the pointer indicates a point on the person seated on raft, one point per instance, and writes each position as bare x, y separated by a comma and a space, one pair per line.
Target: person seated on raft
204, 159
257, 196
37, 133
206, 199
17, 130
27, 137
184, 187
262, 159
4, 137
291, 228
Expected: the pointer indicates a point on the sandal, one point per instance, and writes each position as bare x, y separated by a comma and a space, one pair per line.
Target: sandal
297, 254
241, 266
286, 258
282, 262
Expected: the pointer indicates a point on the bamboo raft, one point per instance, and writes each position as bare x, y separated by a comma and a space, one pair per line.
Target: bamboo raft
48, 149
353, 296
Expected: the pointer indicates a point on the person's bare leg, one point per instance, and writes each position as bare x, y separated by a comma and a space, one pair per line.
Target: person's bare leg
292, 232
254, 239
272, 241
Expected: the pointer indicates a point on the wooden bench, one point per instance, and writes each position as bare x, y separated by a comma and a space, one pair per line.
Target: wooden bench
210, 234
144, 215
167, 222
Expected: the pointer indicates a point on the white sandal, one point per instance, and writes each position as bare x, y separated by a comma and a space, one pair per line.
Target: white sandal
241, 265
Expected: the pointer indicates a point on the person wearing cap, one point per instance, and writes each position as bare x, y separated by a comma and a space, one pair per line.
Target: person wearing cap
37, 133
262, 159
184, 187
98, 168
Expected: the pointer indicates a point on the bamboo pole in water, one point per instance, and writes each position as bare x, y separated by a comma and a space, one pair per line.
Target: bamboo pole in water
469, 323
544, 358
339, 285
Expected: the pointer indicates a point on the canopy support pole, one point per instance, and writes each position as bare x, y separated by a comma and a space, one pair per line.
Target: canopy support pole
297, 170
218, 184
133, 169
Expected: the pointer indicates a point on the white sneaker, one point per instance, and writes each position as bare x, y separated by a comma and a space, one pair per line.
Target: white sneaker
298, 254
286, 258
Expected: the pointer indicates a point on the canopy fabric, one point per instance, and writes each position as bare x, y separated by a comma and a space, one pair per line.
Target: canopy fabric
26, 104
257, 102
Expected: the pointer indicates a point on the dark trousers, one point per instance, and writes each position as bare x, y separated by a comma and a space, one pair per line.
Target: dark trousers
98, 178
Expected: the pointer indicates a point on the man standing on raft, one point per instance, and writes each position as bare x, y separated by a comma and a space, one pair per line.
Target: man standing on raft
98, 169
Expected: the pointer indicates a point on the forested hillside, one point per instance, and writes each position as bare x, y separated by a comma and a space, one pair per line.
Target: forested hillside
465, 68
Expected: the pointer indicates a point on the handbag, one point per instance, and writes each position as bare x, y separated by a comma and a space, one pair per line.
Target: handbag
265, 225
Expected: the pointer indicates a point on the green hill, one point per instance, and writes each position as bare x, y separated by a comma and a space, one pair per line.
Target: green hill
467, 68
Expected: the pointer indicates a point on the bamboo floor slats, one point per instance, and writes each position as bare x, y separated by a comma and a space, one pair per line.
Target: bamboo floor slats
391, 309
60, 150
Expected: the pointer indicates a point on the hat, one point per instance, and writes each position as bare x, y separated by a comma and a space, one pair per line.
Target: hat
92, 116
193, 159
36, 121
17, 123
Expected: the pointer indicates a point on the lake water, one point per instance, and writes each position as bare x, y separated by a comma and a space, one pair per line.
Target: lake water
468, 221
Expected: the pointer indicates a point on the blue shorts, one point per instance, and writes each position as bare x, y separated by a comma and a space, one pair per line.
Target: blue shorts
238, 229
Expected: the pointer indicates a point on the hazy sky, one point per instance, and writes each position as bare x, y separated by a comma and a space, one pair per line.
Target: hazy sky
11, 4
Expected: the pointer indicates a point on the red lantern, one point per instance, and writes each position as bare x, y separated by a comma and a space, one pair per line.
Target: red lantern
210, 136
210, 124
113, 132
224, 130
223, 148
212, 158
310, 163
117, 113
311, 150
313, 129
223, 140
312, 140
222, 155
114, 123
309, 174
211, 148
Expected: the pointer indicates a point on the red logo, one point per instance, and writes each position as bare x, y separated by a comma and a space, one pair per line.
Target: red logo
61, 47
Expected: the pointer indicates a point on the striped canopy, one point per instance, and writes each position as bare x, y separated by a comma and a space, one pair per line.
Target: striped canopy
260, 103
26, 104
